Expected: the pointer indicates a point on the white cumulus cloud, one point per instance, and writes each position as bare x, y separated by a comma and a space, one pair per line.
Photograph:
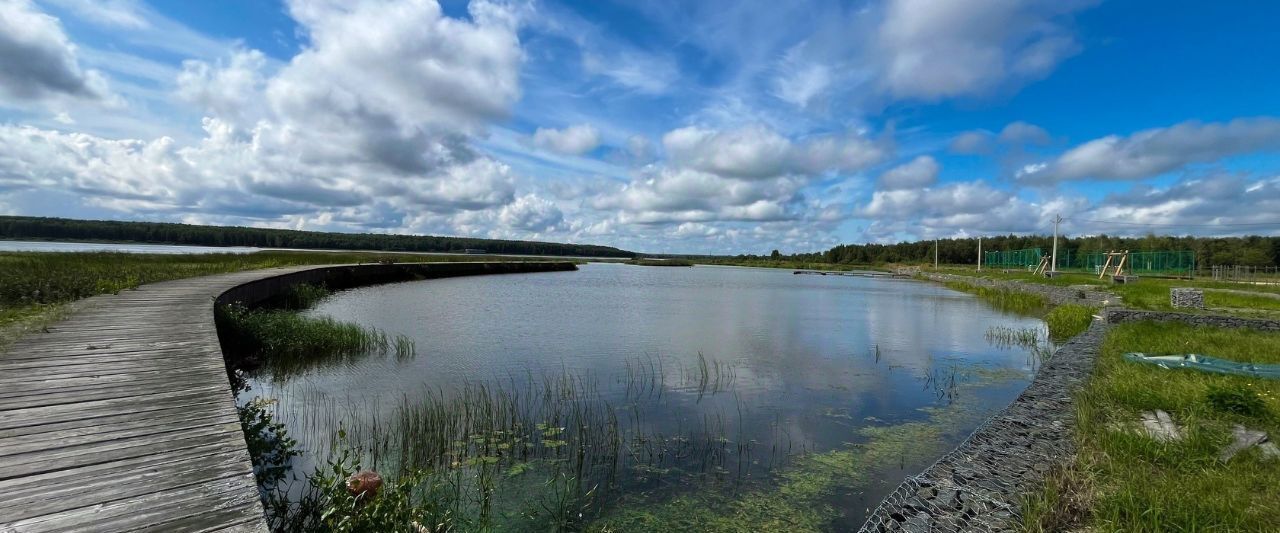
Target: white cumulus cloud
1156, 151
573, 140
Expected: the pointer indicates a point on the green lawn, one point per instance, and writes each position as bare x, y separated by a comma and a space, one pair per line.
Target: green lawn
1122, 480
1153, 293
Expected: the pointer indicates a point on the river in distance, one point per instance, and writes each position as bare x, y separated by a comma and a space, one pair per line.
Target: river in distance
661, 390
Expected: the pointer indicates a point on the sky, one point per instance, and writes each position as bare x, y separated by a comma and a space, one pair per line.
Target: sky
658, 126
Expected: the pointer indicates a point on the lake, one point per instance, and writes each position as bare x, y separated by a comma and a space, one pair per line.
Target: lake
659, 397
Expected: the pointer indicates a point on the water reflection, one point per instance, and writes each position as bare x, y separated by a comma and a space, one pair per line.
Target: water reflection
706, 375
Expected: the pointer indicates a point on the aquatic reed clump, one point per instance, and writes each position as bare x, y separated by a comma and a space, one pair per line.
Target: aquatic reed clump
1006, 337
285, 334
1003, 298
544, 451
286, 342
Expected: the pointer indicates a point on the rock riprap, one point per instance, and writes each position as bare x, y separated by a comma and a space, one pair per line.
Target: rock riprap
978, 486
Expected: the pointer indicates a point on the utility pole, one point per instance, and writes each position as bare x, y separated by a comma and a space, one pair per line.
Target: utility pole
979, 254
1056, 220
935, 254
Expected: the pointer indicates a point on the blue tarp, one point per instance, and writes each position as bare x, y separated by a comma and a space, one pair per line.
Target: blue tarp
1208, 364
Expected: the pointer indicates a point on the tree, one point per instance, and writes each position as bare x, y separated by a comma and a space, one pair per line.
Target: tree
776, 255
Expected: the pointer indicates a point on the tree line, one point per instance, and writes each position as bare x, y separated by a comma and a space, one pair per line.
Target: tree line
65, 229
1209, 251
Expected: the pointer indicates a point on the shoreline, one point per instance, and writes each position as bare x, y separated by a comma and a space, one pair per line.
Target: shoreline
980, 483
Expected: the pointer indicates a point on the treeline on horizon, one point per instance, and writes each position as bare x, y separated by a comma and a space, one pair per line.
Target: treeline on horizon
65, 229
1254, 250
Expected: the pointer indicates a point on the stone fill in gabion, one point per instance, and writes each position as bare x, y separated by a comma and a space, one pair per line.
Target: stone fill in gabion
1184, 297
978, 486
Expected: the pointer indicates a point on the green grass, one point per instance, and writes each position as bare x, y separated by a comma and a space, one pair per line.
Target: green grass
660, 262
1004, 299
788, 264
15, 323
29, 278
1153, 293
287, 343
1122, 480
1068, 320
34, 285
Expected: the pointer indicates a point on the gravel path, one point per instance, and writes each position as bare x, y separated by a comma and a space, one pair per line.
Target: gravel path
979, 485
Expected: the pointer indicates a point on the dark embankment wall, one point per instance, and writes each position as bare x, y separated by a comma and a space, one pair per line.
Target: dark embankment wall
348, 276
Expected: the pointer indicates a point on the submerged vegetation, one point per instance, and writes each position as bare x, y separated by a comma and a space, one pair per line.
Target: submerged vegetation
1124, 480
557, 453
534, 453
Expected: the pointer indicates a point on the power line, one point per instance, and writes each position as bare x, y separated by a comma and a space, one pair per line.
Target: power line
1221, 225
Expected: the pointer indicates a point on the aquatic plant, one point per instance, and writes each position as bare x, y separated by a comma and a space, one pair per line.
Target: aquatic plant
1003, 298
270, 447
1004, 337
286, 343
544, 451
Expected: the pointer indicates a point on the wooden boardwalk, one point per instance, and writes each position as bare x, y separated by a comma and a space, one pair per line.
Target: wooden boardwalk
121, 418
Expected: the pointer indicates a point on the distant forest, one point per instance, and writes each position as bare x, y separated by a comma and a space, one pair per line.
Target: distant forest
65, 229
1209, 251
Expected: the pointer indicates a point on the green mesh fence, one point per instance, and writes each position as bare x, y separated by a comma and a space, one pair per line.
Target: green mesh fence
1029, 257
1177, 262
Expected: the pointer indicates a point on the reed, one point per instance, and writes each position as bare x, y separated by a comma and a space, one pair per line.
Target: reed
544, 451
1002, 298
286, 343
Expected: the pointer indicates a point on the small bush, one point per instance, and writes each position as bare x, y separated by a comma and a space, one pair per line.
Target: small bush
1236, 400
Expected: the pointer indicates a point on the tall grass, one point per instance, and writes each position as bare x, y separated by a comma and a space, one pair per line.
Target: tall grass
1068, 320
287, 343
1122, 480
544, 453
29, 278
1004, 299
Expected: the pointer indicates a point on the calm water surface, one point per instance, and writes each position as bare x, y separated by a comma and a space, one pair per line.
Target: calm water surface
762, 363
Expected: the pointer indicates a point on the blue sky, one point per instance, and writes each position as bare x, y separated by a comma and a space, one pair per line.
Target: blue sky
658, 126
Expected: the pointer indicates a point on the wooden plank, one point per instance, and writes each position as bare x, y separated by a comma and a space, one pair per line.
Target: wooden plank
37, 442
236, 495
86, 479
192, 405
101, 452
120, 418
157, 477
78, 411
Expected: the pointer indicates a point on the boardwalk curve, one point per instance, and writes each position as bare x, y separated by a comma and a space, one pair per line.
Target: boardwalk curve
121, 417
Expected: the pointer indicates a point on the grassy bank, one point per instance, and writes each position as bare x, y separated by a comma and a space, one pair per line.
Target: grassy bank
1123, 480
788, 264
1237, 299
660, 262
34, 285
